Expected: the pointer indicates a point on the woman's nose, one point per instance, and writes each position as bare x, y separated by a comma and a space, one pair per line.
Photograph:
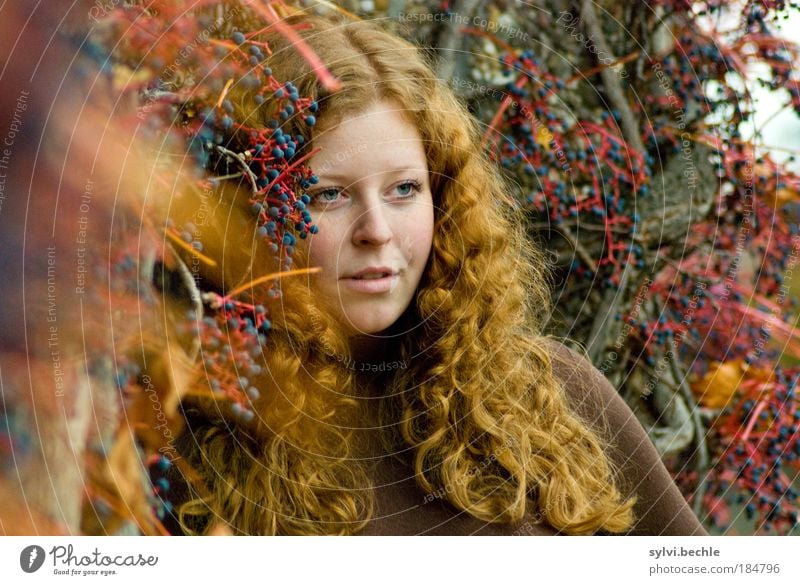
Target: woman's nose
372, 227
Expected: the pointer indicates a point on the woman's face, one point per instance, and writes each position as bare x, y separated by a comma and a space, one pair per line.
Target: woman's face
374, 209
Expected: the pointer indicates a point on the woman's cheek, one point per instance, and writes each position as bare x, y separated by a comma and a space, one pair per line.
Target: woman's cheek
419, 239
323, 247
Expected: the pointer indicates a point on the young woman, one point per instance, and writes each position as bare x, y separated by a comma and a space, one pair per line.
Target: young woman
408, 387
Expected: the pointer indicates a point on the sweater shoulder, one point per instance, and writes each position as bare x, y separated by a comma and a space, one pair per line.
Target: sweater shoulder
660, 508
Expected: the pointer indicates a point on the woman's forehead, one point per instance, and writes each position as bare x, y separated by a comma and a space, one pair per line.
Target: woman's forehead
384, 111
382, 136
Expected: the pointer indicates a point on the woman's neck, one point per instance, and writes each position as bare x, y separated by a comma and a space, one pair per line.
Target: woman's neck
368, 348
383, 347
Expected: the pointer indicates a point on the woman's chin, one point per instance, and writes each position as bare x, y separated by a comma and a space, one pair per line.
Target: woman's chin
369, 323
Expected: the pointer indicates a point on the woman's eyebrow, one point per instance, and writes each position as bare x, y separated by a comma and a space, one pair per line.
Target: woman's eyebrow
397, 171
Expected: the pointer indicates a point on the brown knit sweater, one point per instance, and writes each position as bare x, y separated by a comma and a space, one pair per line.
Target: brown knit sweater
403, 509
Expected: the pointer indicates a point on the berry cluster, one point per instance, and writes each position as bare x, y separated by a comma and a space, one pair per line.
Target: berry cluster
576, 171
232, 341
761, 454
188, 74
716, 300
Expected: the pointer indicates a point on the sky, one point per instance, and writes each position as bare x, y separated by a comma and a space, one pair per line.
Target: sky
783, 130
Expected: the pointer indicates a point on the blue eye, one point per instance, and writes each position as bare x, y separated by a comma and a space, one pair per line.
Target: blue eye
408, 188
405, 190
325, 196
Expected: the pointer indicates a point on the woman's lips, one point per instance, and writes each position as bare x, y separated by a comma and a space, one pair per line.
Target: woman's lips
372, 285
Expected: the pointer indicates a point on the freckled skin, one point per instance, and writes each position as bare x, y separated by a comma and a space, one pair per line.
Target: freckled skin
374, 207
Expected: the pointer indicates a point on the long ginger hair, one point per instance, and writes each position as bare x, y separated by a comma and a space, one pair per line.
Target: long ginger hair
477, 384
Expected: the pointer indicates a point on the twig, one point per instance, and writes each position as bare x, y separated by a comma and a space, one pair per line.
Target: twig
604, 319
272, 276
175, 239
223, 93
239, 158
701, 446
630, 127
451, 36
194, 298
584, 226
680, 270
597, 69
328, 81
578, 247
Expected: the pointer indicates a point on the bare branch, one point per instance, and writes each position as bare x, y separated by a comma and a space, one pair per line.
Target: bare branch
611, 83
451, 38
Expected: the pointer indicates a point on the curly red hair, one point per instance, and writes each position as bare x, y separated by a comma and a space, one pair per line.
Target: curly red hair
478, 385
